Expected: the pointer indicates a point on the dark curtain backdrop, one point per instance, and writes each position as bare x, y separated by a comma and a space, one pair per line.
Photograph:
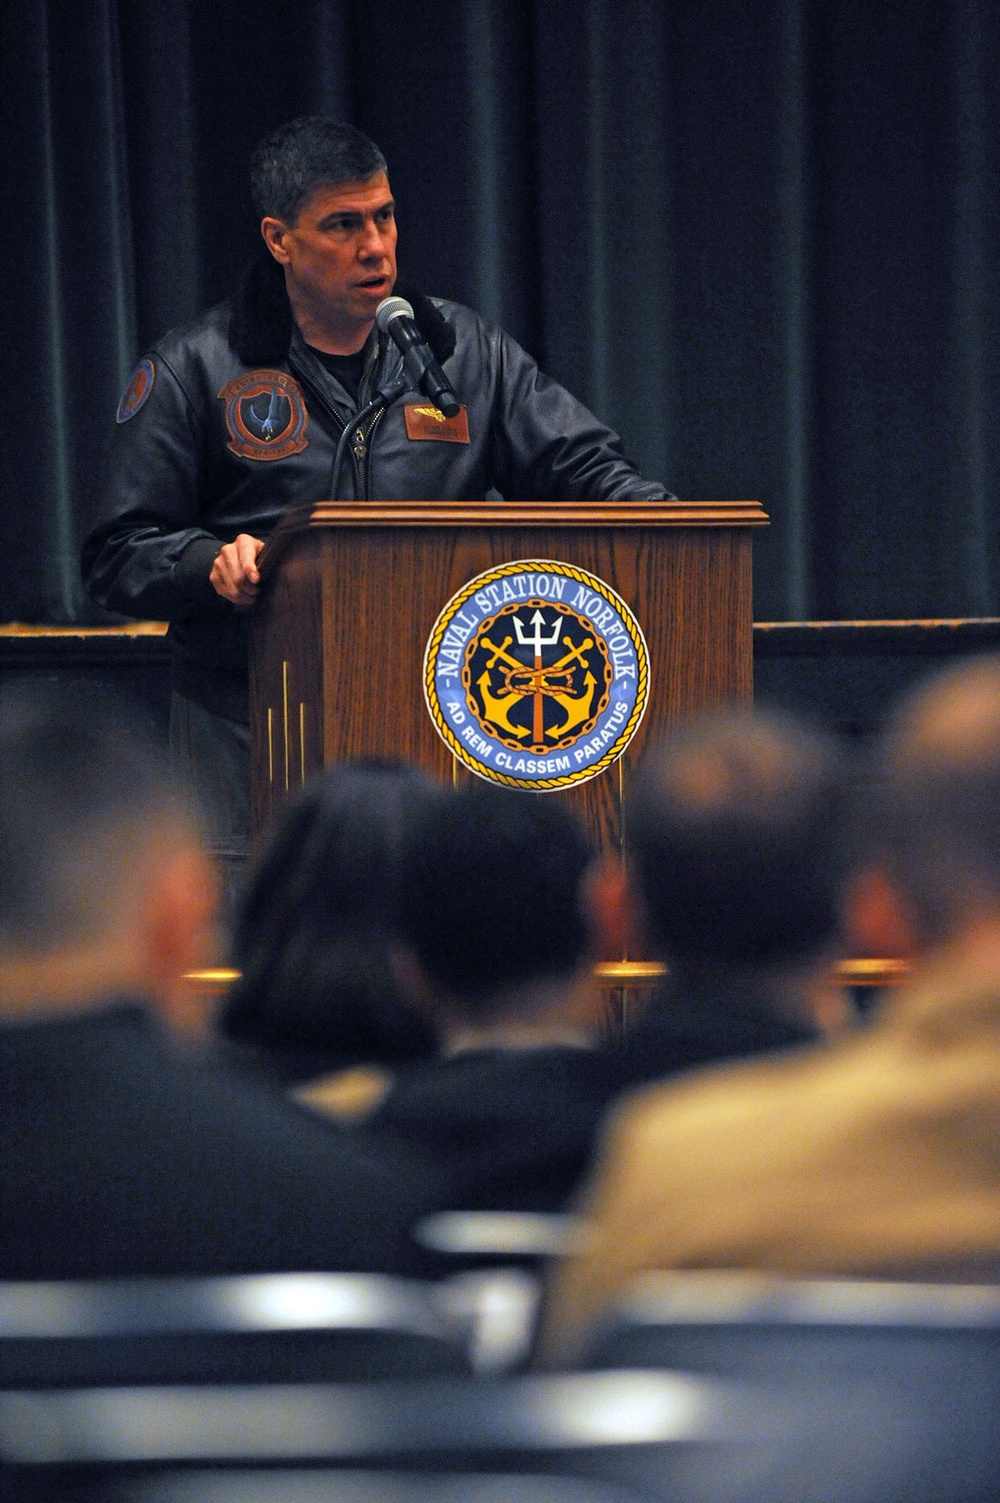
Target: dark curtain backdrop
760, 239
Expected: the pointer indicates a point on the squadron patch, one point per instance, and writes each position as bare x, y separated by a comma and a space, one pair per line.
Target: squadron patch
136, 393
265, 414
536, 675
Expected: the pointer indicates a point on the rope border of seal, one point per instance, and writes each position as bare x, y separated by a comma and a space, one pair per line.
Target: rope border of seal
581, 576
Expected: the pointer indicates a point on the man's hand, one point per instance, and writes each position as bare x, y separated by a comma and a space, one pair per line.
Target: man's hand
234, 574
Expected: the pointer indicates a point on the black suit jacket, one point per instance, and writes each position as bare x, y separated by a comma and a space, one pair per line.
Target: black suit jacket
515, 1129
120, 1156
510, 1129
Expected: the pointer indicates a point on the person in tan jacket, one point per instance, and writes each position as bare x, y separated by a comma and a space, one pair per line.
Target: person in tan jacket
875, 1154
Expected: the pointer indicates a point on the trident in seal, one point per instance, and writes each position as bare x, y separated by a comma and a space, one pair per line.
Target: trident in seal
538, 641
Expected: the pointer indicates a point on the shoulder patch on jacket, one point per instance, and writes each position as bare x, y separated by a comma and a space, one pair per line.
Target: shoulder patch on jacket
136, 393
265, 414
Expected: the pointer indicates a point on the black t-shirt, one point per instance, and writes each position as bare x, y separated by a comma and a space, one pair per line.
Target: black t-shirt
348, 369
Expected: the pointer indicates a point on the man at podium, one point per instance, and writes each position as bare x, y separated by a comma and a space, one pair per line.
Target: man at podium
238, 415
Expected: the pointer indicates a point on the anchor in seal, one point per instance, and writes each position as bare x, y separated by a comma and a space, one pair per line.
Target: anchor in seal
537, 683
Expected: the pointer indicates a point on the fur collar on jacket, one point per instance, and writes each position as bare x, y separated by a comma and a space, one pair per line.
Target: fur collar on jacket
261, 327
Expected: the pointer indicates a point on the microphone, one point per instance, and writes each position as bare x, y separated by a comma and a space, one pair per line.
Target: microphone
394, 317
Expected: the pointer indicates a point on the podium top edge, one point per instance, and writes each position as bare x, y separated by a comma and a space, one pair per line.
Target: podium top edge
527, 513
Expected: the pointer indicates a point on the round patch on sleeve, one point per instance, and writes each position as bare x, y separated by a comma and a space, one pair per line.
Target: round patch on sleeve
136, 393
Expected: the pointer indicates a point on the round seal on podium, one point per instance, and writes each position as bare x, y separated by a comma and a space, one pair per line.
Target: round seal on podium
536, 675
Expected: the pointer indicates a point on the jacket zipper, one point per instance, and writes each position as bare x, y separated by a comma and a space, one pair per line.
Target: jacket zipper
360, 441
361, 447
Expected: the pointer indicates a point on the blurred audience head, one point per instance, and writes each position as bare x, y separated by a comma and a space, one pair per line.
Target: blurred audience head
937, 788
494, 909
318, 919
738, 844
103, 885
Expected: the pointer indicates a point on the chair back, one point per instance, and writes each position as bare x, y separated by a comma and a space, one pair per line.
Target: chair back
273, 1327
598, 1437
749, 1325
496, 1288
576, 1439
925, 1359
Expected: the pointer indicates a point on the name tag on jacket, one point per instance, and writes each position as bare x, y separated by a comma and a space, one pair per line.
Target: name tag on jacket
425, 421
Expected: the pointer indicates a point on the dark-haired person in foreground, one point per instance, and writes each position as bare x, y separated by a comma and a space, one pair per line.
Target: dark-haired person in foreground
318, 1005
122, 1152
235, 417
878, 1154
739, 860
494, 918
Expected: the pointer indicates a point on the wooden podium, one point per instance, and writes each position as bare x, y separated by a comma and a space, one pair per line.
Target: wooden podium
351, 594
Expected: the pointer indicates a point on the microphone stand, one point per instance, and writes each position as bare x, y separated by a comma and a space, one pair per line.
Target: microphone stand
383, 398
